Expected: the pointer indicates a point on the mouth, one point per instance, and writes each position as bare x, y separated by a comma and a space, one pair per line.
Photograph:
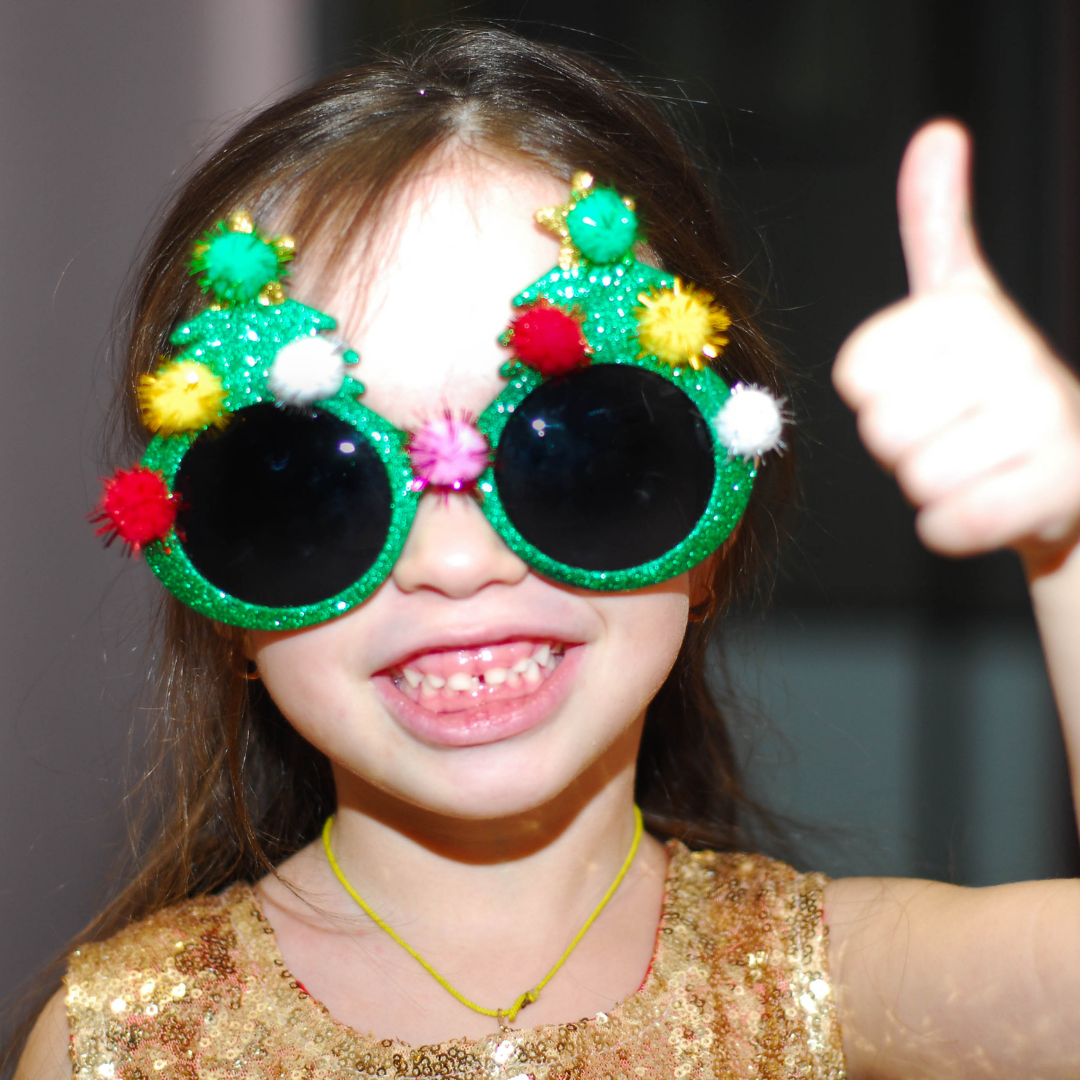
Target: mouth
481, 694
460, 679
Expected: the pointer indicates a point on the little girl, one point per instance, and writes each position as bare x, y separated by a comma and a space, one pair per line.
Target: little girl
446, 508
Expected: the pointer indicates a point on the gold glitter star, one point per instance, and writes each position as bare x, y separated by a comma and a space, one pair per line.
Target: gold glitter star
240, 221
272, 294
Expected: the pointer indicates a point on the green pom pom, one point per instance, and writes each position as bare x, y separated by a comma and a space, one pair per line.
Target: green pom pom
235, 266
602, 227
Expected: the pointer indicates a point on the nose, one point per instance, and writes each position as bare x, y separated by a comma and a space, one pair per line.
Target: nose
451, 549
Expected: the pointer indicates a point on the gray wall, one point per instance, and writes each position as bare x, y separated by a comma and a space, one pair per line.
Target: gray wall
103, 105
887, 745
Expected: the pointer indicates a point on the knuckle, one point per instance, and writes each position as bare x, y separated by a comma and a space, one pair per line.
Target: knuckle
879, 436
958, 527
873, 352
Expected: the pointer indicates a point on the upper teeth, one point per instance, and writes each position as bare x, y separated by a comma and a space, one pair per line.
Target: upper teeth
528, 668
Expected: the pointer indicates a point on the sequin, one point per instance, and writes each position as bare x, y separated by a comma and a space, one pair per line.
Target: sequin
738, 988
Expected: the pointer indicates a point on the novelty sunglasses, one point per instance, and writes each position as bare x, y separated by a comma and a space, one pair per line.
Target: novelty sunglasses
271, 497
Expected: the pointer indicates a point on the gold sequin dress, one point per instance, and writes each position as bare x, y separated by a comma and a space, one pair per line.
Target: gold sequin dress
738, 988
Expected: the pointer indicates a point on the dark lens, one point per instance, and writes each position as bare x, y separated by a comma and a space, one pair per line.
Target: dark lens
607, 468
283, 507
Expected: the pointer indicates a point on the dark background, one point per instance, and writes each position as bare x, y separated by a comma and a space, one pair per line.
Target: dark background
905, 722
804, 107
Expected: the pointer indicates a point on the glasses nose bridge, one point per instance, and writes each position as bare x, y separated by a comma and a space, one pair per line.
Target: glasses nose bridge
452, 549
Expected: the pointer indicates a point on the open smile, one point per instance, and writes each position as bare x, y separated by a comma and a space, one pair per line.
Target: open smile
481, 694
460, 679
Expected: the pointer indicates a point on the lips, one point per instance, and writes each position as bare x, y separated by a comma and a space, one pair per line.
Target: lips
479, 694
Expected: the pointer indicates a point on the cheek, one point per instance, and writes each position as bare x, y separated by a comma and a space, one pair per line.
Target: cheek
645, 631
319, 680
307, 679
314, 684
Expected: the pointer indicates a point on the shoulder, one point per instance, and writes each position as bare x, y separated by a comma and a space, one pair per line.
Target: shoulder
46, 1055
751, 929
156, 977
731, 888
191, 935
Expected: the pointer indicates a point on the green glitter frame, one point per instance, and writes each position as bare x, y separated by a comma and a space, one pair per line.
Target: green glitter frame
607, 297
239, 343
177, 573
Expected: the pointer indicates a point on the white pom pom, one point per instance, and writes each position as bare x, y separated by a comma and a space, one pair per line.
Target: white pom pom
306, 370
750, 423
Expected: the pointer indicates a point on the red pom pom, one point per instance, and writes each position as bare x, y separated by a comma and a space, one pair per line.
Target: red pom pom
549, 339
135, 506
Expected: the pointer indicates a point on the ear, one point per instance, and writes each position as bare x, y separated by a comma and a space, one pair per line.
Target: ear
706, 586
701, 581
703, 586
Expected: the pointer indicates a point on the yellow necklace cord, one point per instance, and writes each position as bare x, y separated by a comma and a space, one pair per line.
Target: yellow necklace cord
529, 996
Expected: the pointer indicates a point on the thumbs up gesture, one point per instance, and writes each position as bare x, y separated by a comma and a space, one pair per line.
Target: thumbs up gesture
955, 391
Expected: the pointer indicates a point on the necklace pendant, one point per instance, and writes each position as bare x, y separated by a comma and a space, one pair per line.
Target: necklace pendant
504, 1021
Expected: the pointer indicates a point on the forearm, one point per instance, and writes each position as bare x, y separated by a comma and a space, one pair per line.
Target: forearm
1055, 596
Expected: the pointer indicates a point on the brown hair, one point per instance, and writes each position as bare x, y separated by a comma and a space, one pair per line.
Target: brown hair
237, 788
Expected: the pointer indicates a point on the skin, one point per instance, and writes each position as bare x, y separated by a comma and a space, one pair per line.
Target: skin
465, 846
489, 857
960, 397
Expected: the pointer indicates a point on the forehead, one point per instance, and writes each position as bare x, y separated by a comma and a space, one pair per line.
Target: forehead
429, 291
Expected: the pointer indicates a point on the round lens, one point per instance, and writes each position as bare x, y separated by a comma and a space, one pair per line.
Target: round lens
607, 468
284, 507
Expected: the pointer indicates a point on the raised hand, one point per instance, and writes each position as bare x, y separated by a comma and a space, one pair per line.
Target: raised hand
956, 392
964, 401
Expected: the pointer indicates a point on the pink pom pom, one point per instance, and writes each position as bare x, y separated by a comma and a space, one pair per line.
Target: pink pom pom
448, 454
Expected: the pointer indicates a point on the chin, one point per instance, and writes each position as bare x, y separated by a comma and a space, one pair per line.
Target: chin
554, 766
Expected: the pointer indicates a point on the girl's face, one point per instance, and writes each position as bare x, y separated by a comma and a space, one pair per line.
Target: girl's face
466, 685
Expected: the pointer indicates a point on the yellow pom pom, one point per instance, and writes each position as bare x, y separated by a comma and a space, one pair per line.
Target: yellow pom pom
681, 325
181, 396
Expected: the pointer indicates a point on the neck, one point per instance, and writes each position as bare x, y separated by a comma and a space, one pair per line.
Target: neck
558, 857
490, 903
401, 855
366, 816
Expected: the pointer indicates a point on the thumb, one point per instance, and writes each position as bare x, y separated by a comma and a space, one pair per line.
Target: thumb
933, 197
